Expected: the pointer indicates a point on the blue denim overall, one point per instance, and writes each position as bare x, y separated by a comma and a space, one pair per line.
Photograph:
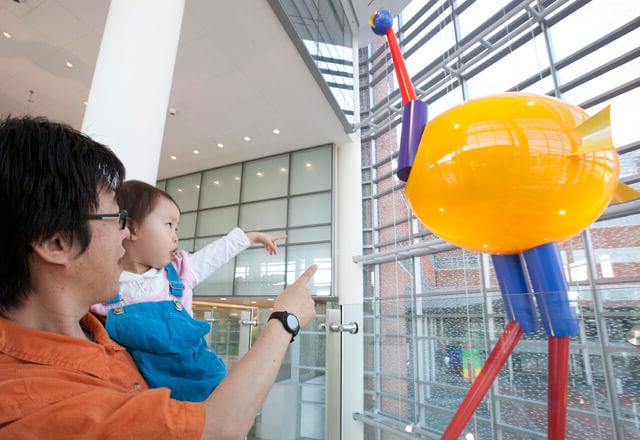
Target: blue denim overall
167, 344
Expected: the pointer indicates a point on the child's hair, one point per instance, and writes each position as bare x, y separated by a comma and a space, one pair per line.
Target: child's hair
139, 199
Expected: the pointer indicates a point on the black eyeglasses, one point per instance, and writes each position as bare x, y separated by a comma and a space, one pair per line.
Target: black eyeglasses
121, 216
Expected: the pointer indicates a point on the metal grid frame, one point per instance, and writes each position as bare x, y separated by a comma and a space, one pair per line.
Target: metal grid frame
517, 23
162, 184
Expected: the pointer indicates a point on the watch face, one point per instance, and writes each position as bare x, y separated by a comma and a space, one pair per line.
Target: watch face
293, 323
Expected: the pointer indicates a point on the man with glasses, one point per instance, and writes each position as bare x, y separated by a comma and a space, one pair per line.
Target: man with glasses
61, 240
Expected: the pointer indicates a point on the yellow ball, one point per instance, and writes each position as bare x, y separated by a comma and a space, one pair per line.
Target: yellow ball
495, 174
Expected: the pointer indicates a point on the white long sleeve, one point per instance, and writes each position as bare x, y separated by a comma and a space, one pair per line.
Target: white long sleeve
214, 255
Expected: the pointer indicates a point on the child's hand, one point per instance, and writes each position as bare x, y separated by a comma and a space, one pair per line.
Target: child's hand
269, 241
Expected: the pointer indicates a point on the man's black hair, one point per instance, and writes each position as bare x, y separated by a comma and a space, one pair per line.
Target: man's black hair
50, 178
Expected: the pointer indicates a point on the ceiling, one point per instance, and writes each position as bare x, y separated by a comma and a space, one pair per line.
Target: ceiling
237, 74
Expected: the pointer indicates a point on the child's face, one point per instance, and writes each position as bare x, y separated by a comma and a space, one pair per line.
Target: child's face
157, 237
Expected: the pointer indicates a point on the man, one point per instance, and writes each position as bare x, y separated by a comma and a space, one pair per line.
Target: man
61, 240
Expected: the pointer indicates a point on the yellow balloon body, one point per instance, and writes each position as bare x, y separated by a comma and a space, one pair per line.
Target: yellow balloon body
495, 174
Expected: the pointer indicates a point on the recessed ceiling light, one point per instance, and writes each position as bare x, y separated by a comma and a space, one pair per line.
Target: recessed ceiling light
276, 131
173, 158
236, 178
216, 182
259, 174
247, 138
220, 145
284, 170
85, 102
7, 34
69, 64
308, 164
197, 186
196, 152
179, 190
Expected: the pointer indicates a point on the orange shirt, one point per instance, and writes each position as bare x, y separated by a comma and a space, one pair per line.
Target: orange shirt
54, 386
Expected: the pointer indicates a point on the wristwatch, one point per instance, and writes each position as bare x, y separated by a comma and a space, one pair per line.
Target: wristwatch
289, 321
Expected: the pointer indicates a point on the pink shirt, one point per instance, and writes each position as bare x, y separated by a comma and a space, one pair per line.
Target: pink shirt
153, 285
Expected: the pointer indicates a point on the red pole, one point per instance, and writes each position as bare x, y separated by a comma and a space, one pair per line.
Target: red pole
558, 384
499, 355
404, 81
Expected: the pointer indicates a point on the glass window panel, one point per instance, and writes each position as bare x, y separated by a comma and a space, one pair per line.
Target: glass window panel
220, 283
319, 233
221, 186
507, 72
612, 50
187, 225
312, 353
599, 16
309, 210
311, 170
217, 221
184, 191
479, 12
617, 247
623, 126
199, 243
626, 368
161, 184
186, 245
435, 47
412, 8
603, 83
259, 274
266, 178
263, 215
299, 258
452, 98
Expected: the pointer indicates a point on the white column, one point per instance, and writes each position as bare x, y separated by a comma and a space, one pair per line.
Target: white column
349, 222
349, 274
132, 82
349, 282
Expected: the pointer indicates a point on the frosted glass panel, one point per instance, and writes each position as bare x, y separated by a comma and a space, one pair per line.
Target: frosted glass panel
258, 273
318, 233
187, 225
266, 178
299, 258
217, 221
263, 215
311, 170
220, 283
309, 210
186, 245
184, 191
221, 187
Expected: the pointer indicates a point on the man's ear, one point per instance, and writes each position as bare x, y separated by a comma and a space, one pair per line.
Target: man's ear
55, 250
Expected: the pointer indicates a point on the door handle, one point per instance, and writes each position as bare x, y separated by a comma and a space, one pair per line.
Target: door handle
247, 322
336, 327
633, 335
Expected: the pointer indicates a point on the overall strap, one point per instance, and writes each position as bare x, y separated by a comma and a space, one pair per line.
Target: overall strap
115, 304
176, 287
114, 300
